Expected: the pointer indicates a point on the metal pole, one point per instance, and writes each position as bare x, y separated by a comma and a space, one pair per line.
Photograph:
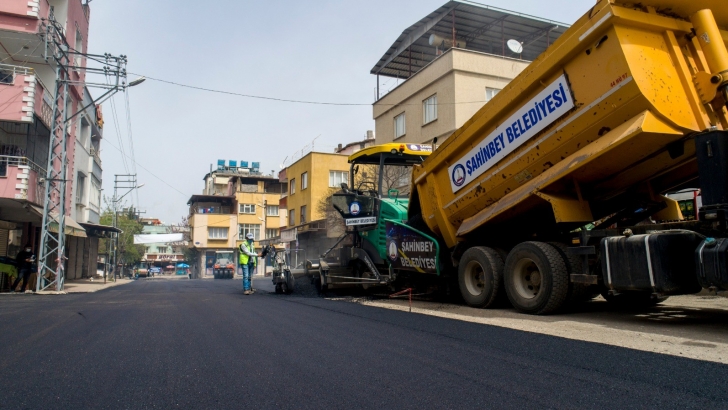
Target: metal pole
453, 29
62, 210
377, 88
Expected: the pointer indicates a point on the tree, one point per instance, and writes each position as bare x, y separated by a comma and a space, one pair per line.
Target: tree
334, 221
127, 252
393, 177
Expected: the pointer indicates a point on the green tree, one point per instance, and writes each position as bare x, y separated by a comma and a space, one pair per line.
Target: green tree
127, 253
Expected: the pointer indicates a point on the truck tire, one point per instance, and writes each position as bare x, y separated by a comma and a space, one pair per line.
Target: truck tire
578, 292
536, 278
480, 276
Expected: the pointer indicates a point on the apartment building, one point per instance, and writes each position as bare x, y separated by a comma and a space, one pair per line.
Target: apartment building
249, 201
441, 70
311, 179
27, 89
213, 231
162, 254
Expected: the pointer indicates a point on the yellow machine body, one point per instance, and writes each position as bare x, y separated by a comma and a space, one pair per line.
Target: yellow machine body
640, 79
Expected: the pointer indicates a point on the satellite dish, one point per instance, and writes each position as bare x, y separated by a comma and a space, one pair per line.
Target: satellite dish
515, 46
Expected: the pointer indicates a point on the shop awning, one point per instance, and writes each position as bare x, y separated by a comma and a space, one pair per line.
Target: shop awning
100, 231
72, 227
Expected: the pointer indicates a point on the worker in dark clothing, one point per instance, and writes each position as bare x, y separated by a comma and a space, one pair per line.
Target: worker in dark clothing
25, 260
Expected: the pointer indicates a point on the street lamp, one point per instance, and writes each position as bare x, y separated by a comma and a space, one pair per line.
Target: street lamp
138, 81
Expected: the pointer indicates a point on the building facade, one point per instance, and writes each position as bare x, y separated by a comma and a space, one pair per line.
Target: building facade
441, 97
311, 180
236, 200
27, 89
213, 231
162, 254
441, 70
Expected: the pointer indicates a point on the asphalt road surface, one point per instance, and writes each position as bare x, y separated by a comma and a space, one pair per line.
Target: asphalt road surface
203, 344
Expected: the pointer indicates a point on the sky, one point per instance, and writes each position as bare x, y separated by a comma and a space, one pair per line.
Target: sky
304, 50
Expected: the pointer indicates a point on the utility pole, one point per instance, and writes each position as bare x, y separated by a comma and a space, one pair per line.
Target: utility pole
64, 60
121, 181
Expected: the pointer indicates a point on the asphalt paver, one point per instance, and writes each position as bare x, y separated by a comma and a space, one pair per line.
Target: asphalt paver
203, 344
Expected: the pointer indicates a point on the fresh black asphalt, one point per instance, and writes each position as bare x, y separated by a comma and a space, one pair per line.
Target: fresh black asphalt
202, 344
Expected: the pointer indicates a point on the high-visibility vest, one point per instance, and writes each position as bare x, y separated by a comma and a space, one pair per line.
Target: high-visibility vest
244, 258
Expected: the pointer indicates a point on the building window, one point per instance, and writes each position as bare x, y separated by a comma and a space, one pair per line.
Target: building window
291, 217
304, 181
162, 249
293, 186
217, 233
271, 233
246, 208
490, 93
337, 177
80, 188
244, 229
271, 210
429, 110
303, 214
399, 128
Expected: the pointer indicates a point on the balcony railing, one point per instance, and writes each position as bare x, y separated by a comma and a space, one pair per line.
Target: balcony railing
8, 72
96, 155
10, 161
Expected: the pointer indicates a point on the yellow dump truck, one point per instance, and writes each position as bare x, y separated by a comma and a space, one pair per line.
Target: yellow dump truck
555, 191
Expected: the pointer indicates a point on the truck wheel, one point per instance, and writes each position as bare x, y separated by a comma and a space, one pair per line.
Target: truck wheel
480, 274
578, 292
536, 278
279, 288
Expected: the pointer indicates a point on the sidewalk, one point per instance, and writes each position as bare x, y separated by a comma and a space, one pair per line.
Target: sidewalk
87, 286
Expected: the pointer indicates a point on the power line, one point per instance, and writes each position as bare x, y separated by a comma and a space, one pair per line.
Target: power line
131, 137
150, 172
260, 97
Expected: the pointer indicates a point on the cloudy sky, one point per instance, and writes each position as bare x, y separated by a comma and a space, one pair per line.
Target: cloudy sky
304, 50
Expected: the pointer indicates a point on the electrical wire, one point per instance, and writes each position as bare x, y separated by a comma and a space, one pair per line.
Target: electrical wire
115, 120
287, 100
131, 139
150, 172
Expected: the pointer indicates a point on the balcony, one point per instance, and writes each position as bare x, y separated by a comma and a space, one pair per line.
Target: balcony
23, 16
17, 85
19, 179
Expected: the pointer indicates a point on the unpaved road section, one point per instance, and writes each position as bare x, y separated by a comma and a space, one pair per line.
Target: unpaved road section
695, 327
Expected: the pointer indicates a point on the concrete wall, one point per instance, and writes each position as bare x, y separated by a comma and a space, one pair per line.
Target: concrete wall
23, 15
458, 78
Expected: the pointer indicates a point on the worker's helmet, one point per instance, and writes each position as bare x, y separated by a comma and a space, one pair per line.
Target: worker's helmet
249, 236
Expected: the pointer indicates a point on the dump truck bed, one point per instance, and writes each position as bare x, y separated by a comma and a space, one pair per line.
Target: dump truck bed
600, 121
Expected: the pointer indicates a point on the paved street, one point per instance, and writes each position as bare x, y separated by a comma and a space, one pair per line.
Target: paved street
202, 344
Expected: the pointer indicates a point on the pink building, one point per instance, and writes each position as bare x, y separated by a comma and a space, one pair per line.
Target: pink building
27, 89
